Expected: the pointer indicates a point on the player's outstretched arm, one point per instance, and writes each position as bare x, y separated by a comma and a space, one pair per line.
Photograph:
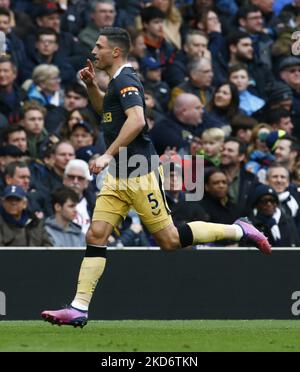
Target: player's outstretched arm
88, 76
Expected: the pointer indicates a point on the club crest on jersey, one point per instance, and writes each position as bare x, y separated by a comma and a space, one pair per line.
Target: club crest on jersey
129, 91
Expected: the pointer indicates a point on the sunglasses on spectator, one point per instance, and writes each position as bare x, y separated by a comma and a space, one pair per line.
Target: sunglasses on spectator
73, 177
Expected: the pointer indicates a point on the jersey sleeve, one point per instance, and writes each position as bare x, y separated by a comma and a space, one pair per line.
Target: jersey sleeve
129, 91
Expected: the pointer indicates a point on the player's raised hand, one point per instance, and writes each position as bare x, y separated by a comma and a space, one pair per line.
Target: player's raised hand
87, 74
97, 165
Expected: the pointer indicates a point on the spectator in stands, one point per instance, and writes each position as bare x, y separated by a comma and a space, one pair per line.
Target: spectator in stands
224, 105
19, 228
73, 20
46, 52
138, 46
200, 81
156, 44
74, 117
208, 21
249, 103
153, 81
15, 135
18, 173
194, 47
48, 15
8, 154
82, 134
45, 87
62, 231
241, 183
212, 145
250, 20
77, 177
14, 45
281, 119
286, 153
175, 129
240, 47
216, 201
274, 223
75, 97
102, 14
172, 22
33, 121
173, 182
11, 95
242, 127
278, 178
62, 153
289, 71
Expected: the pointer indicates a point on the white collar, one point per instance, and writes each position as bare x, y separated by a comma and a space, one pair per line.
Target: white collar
120, 69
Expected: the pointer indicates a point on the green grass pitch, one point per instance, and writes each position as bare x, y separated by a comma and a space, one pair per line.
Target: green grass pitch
168, 336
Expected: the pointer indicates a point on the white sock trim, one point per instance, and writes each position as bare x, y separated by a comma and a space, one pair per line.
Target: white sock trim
239, 233
79, 306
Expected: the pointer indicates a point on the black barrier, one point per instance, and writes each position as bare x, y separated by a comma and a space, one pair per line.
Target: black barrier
155, 284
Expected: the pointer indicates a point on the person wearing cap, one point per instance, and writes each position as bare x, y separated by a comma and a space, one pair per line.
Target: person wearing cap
82, 134
289, 72
267, 216
153, 81
18, 227
78, 178
48, 15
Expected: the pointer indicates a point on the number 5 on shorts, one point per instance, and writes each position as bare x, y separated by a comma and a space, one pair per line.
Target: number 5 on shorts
154, 203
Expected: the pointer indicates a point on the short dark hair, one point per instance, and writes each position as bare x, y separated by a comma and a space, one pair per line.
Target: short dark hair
245, 10
47, 31
7, 58
61, 195
11, 129
151, 12
274, 116
5, 12
117, 36
235, 37
10, 168
237, 67
210, 172
242, 145
76, 88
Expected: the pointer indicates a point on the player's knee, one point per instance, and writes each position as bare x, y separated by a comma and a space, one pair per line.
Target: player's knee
97, 236
170, 243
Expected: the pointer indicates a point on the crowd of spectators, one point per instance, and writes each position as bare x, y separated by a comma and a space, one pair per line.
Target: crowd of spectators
221, 79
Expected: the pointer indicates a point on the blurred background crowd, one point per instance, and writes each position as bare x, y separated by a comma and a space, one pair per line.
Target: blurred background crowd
221, 80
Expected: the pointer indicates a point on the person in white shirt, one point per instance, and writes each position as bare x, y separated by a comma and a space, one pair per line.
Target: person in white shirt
77, 176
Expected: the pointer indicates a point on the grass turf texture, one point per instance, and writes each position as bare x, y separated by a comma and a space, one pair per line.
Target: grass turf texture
186, 336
